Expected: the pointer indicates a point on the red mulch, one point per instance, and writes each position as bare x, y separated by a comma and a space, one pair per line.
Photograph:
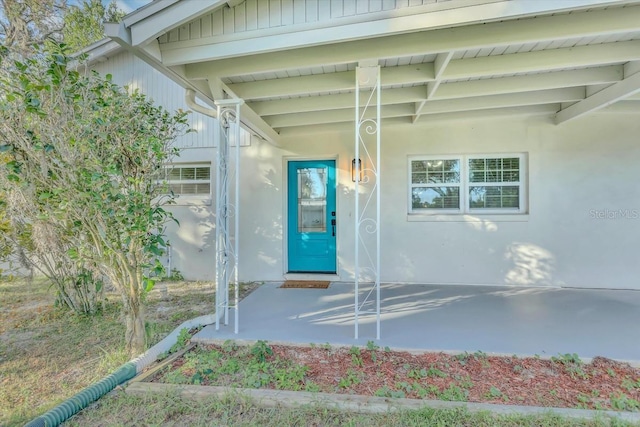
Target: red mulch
482, 378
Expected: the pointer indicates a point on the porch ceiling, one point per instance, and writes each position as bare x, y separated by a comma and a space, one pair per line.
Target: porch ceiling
565, 63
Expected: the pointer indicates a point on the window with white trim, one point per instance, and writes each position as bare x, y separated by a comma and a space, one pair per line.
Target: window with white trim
189, 180
467, 184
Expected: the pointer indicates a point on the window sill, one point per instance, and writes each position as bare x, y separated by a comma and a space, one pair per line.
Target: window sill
467, 217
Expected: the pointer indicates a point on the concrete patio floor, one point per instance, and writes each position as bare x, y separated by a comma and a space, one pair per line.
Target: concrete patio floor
509, 320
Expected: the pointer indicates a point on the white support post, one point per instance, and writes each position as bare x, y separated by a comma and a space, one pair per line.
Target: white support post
367, 180
357, 164
227, 206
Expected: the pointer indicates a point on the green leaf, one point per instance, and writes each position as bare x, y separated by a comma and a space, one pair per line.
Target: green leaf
149, 284
73, 253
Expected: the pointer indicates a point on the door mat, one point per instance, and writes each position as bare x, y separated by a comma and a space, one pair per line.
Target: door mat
306, 284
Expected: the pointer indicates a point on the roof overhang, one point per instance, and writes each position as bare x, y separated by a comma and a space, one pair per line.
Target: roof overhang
442, 60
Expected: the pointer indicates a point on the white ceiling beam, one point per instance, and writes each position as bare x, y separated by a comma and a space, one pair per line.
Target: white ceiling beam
631, 68
439, 65
627, 87
542, 109
435, 107
258, 125
581, 56
248, 117
293, 86
335, 116
543, 28
216, 87
473, 88
544, 60
531, 82
388, 123
170, 17
334, 102
504, 100
320, 83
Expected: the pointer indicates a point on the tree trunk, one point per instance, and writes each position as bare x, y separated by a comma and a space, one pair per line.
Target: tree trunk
135, 332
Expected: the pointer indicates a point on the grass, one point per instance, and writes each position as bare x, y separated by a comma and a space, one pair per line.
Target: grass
37, 368
120, 409
47, 355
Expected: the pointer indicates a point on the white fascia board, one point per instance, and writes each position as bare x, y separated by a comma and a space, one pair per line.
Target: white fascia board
453, 38
146, 11
100, 51
99, 45
621, 90
169, 17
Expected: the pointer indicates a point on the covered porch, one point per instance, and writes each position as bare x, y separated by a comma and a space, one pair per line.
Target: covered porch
492, 319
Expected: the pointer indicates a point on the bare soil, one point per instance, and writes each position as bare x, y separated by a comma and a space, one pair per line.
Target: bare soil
564, 381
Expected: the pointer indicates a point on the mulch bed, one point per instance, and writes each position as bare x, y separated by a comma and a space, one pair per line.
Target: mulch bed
474, 377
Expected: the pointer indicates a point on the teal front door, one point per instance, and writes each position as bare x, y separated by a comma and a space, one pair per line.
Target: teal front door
312, 216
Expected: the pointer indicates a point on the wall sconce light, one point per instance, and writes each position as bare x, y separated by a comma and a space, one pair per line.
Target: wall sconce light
353, 170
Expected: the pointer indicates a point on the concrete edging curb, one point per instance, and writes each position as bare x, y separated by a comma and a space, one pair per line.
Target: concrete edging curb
363, 404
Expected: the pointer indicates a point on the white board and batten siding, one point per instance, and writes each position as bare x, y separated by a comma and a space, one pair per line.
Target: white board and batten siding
128, 70
252, 15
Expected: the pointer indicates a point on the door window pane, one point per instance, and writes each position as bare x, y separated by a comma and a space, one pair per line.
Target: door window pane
312, 200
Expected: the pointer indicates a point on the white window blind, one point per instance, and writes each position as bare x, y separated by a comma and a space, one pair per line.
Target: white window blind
467, 184
194, 179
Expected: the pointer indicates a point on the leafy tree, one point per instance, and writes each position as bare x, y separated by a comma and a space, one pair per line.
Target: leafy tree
86, 155
84, 24
26, 24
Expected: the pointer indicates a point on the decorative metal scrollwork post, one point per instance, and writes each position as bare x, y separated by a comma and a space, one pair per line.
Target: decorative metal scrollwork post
367, 214
227, 208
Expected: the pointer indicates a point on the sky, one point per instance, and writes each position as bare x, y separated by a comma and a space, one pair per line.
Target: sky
128, 5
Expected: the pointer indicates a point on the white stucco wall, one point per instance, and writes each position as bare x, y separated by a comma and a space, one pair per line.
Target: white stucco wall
577, 172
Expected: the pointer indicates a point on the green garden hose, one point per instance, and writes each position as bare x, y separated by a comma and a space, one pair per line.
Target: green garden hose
71, 406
